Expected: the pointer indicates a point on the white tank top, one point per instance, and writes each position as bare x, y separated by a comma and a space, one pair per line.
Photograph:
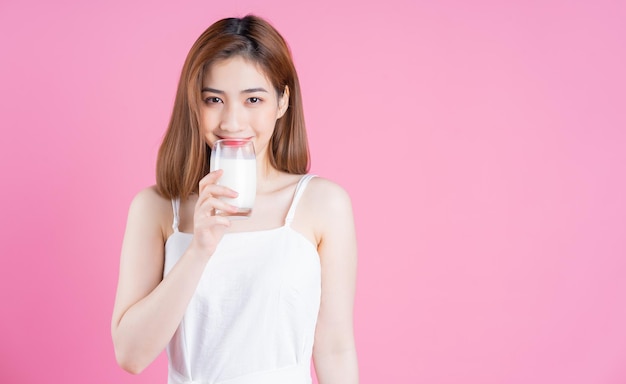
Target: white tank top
252, 318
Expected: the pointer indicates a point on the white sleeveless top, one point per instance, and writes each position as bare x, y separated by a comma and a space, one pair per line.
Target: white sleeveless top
252, 318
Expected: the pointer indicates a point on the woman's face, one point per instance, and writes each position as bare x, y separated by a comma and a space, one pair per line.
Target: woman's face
238, 101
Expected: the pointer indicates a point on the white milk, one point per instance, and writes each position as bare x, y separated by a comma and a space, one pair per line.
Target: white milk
240, 176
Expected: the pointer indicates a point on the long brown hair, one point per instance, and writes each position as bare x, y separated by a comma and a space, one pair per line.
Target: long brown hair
183, 157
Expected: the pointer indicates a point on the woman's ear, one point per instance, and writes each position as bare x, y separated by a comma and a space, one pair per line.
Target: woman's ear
283, 103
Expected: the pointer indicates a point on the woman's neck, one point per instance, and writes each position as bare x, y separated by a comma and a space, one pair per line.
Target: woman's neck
266, 175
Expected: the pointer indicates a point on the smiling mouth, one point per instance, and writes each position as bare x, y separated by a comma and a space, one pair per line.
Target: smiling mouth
233, 138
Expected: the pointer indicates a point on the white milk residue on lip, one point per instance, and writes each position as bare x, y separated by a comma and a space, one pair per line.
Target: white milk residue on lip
240, 176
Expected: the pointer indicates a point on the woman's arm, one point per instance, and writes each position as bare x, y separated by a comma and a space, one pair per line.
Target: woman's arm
334, 351
148, 307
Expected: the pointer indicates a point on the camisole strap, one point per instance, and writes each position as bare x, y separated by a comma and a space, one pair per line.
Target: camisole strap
297, 194
176, 208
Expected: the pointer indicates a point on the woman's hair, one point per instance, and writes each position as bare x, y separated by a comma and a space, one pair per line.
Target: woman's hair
183, 157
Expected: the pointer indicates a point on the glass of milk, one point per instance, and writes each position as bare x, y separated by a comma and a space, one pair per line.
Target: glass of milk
237, 159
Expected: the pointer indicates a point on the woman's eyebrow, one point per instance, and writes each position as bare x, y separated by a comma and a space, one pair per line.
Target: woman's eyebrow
249, 90
212, 90
252, 90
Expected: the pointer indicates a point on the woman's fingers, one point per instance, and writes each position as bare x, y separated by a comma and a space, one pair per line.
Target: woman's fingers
212, 203
208, 187
211, 177
209, 227
210, 193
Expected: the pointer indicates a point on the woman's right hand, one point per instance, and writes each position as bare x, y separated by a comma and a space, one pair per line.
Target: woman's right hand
143, 293
208, 227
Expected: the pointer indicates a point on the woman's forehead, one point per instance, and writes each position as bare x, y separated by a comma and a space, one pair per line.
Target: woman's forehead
235, 72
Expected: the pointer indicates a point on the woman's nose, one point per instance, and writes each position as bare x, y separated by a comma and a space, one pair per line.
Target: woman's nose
230, 118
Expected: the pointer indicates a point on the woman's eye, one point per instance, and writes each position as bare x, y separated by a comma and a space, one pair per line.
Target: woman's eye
253, 100
212, 100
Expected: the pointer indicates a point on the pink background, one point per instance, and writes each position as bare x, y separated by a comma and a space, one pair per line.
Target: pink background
483, 144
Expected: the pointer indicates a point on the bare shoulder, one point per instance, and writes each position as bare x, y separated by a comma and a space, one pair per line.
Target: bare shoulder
149, 198
326, 194
149, 209
328, 209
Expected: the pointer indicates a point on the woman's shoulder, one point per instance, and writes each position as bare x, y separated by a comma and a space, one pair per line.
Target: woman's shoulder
149, 205
150, 196
327, 188
328, 211
327, 195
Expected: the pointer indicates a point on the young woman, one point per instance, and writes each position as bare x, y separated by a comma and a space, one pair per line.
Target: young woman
244, 301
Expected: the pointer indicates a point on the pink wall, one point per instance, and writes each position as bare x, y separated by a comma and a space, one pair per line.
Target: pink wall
484, 147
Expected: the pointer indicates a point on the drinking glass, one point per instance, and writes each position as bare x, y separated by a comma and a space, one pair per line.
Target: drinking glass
236, 157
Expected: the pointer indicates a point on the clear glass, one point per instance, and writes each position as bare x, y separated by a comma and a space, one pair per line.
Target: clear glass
236, 157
